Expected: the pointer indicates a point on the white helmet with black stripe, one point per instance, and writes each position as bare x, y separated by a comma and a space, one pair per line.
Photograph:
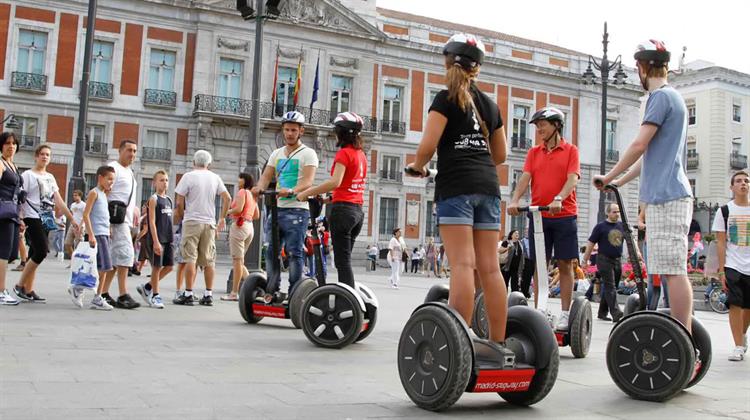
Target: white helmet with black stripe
293, 117
349, 121
653, 52
550, 114
468, 50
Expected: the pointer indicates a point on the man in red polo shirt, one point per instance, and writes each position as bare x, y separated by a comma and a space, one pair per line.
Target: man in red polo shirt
553, 168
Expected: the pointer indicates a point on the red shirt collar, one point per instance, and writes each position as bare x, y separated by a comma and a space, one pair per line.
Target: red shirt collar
561, 145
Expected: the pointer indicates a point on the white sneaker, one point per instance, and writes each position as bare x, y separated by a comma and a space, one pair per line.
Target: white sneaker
100, 303
156, 302
7, 299
744, 342
76, 295
145, 294
738, 354
562, 324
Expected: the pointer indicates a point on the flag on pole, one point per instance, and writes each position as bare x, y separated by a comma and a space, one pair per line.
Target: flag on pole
315, 84
275, 77
299, 81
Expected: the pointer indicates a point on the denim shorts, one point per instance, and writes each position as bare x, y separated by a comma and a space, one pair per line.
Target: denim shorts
481, 211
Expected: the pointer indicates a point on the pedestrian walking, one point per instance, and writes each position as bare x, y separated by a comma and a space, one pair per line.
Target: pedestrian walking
121, 203
395, 250
242, 212
514, 263
11, 190
96, 222
43, 196
73, 236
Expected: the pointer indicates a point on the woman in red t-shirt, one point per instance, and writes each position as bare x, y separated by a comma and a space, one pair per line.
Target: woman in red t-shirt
347, 182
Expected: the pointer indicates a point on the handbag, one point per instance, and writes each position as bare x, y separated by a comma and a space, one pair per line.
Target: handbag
118, 210
47, 215
241, 218
9, 208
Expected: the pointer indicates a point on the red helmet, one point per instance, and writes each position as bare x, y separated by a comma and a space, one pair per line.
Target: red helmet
652, 51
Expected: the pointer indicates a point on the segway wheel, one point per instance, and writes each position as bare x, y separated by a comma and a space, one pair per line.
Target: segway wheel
372, 319
718, 301
631, 304
650, 356
251, 289
331, 317
434, 358
533, 342
299, 294
702, 341
580, 327
479, 323
517, 298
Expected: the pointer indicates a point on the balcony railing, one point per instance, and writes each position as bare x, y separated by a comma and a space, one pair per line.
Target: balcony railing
29, 82
692, 160
28, 142
100, 90
612, 155
222, 105
162, 98
155, 153
370, 123
393, 127
521, 144
737, 161
391, 175
95, 148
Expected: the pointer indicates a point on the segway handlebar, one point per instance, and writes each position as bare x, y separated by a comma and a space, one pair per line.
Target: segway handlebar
431, 173
532, 209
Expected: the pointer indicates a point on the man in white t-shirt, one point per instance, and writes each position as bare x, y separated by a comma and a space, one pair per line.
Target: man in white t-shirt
396, 248
121, 243
194, 208
733, 246
293, 168
73, 236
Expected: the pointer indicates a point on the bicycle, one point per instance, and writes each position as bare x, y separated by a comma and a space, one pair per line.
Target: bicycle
716, 297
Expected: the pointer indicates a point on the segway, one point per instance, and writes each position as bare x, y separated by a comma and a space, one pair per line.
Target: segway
439, 359
650, 355
259, 297
578, 334
336, 315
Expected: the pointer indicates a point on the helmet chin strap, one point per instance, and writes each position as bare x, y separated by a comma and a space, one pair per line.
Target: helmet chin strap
555, 136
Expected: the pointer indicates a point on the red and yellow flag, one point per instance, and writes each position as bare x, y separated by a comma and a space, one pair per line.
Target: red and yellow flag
298, 83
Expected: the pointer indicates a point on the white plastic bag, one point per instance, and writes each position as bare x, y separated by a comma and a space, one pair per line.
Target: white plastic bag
712, 259
84, 274
583, 285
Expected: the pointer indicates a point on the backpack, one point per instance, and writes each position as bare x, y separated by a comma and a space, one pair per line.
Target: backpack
725, 214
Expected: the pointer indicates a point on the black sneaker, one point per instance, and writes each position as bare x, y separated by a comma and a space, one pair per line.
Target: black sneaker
109, 299
18, 290
183, 300
34, 298
618, 316
207, 301
126, 302
604, 318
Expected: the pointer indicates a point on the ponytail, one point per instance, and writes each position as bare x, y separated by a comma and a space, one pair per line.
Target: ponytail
458, 80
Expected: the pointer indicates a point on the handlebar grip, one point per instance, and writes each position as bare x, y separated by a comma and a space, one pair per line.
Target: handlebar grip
413, 172
533, 208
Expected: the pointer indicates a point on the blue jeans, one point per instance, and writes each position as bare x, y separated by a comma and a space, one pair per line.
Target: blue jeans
292, 229
310, 260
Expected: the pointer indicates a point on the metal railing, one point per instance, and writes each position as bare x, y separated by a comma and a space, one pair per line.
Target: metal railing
520, 143
737, 161
693, 159
95, 148
155, 153
30, 82
222, 105
393, 127
162, 98
101, 90
391, 175
612, 155
28, 142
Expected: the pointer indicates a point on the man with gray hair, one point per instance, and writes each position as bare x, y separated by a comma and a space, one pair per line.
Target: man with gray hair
195, 209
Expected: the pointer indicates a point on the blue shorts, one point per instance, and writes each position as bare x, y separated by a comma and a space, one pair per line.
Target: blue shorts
560, 234
480, 211
103, 255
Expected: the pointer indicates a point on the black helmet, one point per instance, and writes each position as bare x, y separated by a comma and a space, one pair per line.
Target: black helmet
550, 114
652, 51
349, 121
468, 49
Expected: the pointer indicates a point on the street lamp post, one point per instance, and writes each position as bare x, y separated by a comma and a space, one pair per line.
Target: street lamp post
12, 124
77, 182
589, 77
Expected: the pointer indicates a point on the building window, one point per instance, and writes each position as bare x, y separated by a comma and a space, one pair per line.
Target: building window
431, 229
433, 94
161, 70
91, 182
101, 62
691, 114
736, 113
391, 168
341, 90
692, 186
230, 78
147, 189
28, 126
392, 103
520, 122
156, 146
611, 129
32, 47
284, 100
94, 140
736, 145
388, 215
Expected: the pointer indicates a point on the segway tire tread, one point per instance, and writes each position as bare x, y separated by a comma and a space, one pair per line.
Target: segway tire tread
248, 293
299, 295
351, 308
580, 329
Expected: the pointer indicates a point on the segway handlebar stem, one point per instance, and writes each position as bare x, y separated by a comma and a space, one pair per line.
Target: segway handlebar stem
431, 173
